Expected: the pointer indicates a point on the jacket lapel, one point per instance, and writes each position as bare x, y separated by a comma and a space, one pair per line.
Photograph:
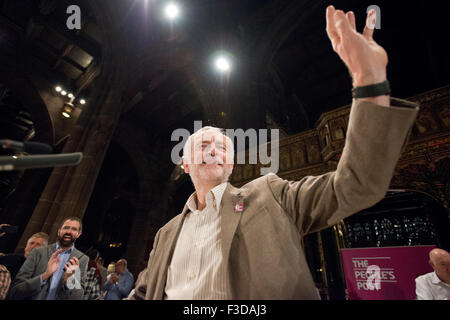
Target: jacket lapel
229, 221
169, 237
230, 216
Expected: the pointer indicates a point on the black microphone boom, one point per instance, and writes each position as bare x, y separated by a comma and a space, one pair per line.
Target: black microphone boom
28, 147
10, 163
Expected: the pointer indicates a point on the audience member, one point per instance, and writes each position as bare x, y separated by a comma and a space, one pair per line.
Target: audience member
93, 283
56, 271
5, 281
435, 285
111, 267
120, 283
1, 226
13, 262
103, 271
142, 266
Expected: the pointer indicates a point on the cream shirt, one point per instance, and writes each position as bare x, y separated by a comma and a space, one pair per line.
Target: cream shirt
430, 287
197, 270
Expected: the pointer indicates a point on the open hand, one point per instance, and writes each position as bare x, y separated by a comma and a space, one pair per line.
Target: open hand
1, 226
365, 59
52, 264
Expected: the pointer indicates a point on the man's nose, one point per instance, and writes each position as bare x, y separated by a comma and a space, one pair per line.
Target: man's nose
213, 150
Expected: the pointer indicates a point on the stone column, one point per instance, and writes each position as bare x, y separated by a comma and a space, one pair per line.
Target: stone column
68, 189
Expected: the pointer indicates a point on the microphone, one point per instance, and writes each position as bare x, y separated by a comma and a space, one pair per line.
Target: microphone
28, 147
10, 163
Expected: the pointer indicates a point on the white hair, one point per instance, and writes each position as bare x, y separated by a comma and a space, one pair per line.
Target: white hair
188, 145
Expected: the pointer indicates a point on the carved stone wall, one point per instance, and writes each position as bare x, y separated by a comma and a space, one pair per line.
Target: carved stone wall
424, 164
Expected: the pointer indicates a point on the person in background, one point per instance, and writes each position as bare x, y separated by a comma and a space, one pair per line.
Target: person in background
5, 281
94, 278
13, 262
1, 226
111, 267
103, 271
143, 268
435, 285
120, 283
56, 271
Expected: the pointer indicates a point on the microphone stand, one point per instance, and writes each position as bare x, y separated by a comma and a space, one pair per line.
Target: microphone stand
9, 163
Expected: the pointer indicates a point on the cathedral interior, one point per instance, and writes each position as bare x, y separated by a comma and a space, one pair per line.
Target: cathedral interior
118, 86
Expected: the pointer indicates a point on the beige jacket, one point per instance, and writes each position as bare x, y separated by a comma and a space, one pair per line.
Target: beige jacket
262, 244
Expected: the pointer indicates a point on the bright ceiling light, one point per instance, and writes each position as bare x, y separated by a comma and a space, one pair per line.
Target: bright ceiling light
82, 101
58, 89
63, 92
172, 11
70, 95
223, 64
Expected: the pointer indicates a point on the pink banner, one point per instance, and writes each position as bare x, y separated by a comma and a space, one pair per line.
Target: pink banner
384, 273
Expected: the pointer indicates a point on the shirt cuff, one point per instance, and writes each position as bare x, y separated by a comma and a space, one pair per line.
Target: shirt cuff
42, 281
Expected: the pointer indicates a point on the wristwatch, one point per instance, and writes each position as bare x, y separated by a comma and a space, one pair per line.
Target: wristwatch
373, 90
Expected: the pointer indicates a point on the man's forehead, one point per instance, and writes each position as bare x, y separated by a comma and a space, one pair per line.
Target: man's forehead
70, 223
209, 135
36, 239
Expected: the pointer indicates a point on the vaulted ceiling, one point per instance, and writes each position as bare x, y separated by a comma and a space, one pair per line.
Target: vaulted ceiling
285, 73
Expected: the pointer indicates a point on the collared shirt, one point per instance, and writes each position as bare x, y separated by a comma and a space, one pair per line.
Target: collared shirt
5, 281
197, 270
122, 289
56, 277
430, 287
91, 286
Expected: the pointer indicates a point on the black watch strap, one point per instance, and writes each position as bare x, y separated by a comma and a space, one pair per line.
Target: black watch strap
373, 90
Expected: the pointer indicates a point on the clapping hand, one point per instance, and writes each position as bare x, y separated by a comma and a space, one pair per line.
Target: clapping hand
70, 267
1, 226
114, 278
52, 265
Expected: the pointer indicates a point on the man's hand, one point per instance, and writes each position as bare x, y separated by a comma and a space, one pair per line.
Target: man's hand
70, 267
1, 226
365, 59
114, 278
52, 265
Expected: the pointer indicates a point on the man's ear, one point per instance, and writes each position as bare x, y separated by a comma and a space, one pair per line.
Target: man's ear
431, 263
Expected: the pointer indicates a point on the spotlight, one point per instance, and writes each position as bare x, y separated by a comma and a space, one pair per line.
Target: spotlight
58, 89
63, 92
223, 64
82, 101
70, 95
172, 11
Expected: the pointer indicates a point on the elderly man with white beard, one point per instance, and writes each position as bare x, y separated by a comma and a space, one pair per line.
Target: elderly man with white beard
246, 243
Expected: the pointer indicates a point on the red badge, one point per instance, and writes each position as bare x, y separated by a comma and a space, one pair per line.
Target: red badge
239, 207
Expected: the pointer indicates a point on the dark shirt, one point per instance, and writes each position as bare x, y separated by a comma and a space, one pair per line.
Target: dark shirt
12, 262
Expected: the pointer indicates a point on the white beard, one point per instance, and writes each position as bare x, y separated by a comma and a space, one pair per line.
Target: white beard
216, 173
